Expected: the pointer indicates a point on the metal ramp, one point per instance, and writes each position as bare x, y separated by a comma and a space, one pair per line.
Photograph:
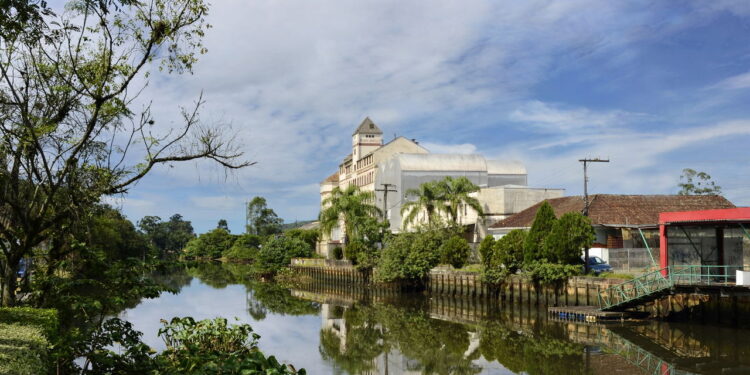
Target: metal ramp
653, 285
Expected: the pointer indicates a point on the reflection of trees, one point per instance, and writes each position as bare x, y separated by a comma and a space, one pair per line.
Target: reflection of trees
535, 352
172, 275
437, 346
268, 297
215, 275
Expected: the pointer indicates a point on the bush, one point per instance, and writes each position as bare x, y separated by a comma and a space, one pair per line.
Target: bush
245, 247
544, 220
410, 256
550, 274
353, 249
210, 244
455, 251
214, 347
24, 349
26, 333
308, 235
569, 235
486, 247
278, 253
509, 250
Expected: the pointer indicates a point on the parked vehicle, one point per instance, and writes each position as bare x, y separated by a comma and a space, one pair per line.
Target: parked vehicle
598, 265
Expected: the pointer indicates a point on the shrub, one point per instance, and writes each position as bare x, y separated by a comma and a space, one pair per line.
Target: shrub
509, 250
278, 253
308, 235
550, 274
455, 251
410, 256
534, 244
245, 247
486, 247
26, 333
214, 347
24, 349
569, 235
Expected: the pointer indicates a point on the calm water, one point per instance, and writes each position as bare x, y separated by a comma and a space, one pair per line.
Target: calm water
330, 331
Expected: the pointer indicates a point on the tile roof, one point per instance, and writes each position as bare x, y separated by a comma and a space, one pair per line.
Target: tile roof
367, 127
620, 209
332, 178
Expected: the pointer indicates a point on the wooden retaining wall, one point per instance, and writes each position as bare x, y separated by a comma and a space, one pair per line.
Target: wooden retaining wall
580, 291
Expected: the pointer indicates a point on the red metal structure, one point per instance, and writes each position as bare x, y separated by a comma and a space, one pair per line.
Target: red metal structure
712, 218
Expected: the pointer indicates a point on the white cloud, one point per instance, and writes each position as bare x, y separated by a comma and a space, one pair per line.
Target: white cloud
740, 81
555, 118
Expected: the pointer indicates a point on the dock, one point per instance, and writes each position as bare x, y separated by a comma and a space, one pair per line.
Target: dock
587, 314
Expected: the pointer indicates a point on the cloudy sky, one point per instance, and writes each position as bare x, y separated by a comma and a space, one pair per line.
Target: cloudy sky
656, 86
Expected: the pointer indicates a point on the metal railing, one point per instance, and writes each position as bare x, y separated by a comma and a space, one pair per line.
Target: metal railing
647, 285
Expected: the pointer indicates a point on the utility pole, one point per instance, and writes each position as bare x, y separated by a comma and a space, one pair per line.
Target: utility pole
585, 162
386, 189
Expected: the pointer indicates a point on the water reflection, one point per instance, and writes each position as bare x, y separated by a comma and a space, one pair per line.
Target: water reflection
330, 330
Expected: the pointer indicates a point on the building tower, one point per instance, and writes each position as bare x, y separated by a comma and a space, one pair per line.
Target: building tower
367, 138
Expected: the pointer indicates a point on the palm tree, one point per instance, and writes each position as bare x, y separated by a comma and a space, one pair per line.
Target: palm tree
349, 205
454, 193
428, 199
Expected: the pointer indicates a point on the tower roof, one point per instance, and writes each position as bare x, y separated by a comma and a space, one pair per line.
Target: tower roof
367, 127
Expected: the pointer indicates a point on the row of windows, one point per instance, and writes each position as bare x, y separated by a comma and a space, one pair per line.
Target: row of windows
365, 179
367, 160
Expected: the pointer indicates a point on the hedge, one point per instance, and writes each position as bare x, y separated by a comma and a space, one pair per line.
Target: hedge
25, 340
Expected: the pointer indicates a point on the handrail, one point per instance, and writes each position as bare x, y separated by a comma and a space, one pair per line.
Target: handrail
650, 283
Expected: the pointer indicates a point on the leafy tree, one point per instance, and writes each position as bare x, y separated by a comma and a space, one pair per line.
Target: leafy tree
350, 205
544, 220
693, 182
428, 200
222, 224
308, 235
71, 131
486, 249
114, 235
263, 221
509, 250
455, 251
454, 193
211, 244
569, 235
169, 237
277, 253
245, 247
409, 257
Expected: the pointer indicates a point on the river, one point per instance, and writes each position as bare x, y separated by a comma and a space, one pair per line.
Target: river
333, 331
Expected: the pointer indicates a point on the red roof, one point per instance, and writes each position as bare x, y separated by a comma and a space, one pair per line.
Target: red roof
611, 209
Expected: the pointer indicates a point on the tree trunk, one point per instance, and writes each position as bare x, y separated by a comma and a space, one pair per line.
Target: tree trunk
9, 284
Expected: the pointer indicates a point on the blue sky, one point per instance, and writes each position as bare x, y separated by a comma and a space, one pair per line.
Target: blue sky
657, 86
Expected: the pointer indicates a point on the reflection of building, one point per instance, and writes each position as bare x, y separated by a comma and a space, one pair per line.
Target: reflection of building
392, 168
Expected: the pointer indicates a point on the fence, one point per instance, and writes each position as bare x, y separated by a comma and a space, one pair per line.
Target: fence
631, 260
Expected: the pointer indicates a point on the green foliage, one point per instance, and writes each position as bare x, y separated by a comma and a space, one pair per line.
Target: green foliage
486, 247
509, 250
278, 253
245, 247
353, 249
23, 349
447, 196
308, 235
428, 201
352, 206
569, 235
693, 182
263, 220
47, 319
170, 237
455, 195
211, 244
455, 251
215, 347
410, 256
110, 232
544, 220
551, 274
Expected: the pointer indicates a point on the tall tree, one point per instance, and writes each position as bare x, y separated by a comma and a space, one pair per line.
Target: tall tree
428, 200
454, 193
70, 132
352, 207
222, 224
569, 236
262, 220
533, 246
693, 182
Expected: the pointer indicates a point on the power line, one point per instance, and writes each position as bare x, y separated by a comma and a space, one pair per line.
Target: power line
585, 162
